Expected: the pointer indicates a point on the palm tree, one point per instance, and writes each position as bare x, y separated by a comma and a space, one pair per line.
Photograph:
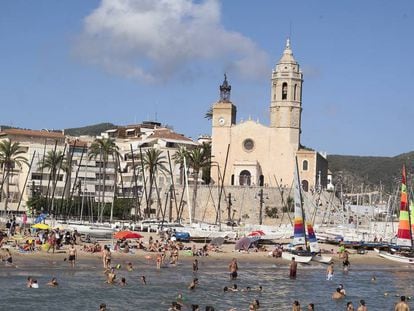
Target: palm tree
198, 159
54, 161
10, 157
154, 162
178, 158
209, 113
103, 148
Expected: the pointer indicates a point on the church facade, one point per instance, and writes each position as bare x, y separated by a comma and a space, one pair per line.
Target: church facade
252, 154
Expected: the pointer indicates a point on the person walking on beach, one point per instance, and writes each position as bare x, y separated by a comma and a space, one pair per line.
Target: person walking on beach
293, 268
402, 305
233, 268
330, 272
72, 255
362, 306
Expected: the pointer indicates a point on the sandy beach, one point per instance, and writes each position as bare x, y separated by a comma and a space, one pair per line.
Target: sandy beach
225, 253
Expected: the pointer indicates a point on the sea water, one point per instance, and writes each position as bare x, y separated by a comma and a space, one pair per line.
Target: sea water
84, 288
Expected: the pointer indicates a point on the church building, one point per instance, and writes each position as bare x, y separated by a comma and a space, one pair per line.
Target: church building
252, 154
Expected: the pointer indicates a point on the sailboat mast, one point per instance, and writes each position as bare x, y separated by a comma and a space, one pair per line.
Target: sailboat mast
301, 202
409, 195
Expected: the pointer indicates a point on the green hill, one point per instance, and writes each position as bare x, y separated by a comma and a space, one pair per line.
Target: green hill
356, 172
91, 130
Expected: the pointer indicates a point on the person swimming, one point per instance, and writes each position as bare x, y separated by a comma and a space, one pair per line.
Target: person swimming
337, 294
53, 283
193, 284
123, 282
129, 266
34, 284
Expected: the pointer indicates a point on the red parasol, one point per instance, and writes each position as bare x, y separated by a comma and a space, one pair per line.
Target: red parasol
127, 235
257, 233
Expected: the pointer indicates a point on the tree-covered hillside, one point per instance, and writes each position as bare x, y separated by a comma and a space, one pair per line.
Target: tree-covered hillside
356, 172
91, 130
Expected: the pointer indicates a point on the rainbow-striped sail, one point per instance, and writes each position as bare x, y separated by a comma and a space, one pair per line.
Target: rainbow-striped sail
412, 216
313, 242
299, 224
404, 230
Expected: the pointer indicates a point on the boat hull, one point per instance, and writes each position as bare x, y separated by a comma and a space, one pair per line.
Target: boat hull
322, 259
395, 257
298, 258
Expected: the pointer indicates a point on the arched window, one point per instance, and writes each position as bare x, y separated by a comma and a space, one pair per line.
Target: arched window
261, 180
245, 178
294, 92
305, 165
284, 90
305, 185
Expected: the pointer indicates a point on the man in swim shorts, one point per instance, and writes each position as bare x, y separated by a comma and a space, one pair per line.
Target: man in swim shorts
72, 255
233, 268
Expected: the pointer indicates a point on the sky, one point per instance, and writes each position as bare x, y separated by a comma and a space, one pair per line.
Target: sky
74, 63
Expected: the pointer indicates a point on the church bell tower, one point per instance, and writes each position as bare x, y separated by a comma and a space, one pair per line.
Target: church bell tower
286, 97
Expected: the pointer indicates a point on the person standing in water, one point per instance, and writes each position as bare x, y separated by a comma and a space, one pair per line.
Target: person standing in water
402, 305
72, 255
233, 268
195, 266
362, 306
293, 268
330, 272
345, 262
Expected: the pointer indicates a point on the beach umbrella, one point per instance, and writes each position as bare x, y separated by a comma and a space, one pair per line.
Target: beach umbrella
218, 241
243, 244
41, 226
127, 235
257, 233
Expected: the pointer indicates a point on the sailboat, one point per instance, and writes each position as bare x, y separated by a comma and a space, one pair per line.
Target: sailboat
403, 252
314, 246
301, 241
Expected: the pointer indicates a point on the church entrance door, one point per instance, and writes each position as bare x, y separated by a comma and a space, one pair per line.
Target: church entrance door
245, 178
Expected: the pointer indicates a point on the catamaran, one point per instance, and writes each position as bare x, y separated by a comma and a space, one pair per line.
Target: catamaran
403, 252
305, 247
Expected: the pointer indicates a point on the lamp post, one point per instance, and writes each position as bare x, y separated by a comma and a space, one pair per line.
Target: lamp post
261, 201
229, 204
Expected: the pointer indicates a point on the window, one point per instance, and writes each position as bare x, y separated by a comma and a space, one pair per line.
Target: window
284, 90
248, 144
36, 176
305, 165
294, 92
232, 180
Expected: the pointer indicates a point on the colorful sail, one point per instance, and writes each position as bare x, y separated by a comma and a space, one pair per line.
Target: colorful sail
404, 230
412, 216
299, 224
313, 242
